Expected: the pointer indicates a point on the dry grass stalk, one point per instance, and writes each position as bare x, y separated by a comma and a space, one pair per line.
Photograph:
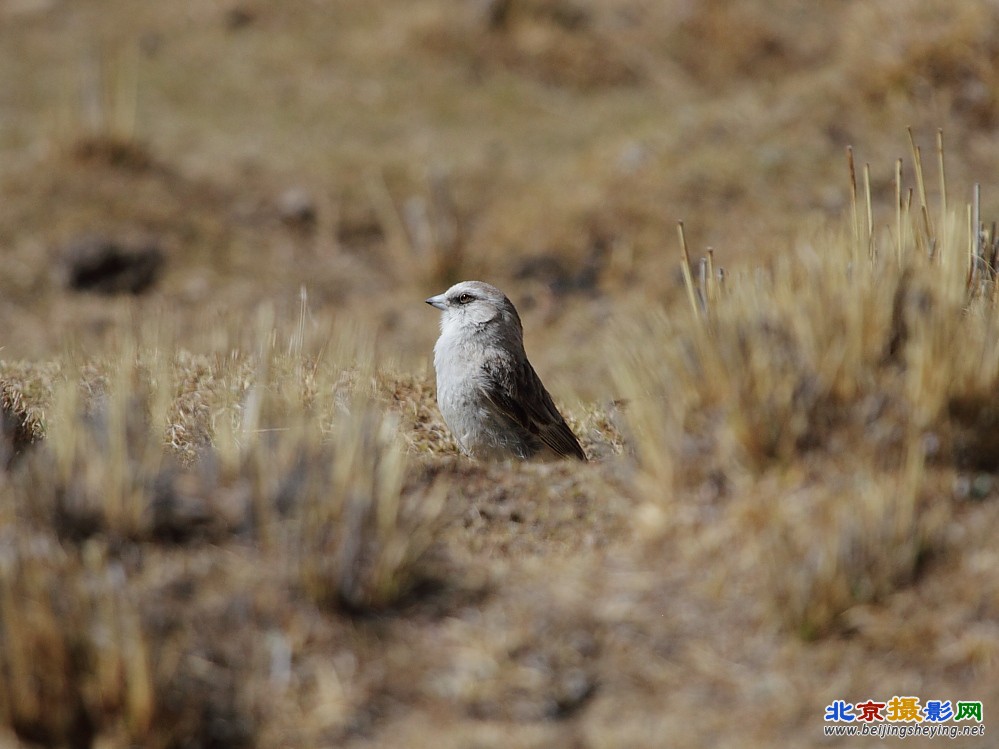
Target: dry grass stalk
688, 280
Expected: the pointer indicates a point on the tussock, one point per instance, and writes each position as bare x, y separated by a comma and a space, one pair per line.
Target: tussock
811, 397
360, 538
74, 662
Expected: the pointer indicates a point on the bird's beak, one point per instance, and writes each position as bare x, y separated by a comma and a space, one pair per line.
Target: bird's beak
437, 301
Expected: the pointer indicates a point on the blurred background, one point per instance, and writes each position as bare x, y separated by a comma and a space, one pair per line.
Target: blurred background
186, 160
793, 505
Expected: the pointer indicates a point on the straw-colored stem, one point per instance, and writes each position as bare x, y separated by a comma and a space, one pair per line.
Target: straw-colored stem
917, 159
870, 209
853, 200
688, 280
898, 210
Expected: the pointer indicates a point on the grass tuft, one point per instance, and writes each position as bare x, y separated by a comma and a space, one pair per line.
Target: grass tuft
73, 659
762, 399
360, 536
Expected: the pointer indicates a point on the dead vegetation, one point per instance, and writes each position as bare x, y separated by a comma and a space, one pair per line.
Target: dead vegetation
814, 402
201, 546
102, 511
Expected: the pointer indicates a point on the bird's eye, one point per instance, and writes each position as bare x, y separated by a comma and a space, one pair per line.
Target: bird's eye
465, 298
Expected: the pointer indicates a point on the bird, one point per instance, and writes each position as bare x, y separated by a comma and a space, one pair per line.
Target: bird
492, 400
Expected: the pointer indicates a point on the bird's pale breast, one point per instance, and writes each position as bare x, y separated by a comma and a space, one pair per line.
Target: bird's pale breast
480, 429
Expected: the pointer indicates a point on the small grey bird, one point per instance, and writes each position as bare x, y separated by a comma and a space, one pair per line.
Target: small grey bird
490, 396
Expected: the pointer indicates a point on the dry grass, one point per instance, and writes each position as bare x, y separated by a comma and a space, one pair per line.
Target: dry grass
799, 436
75, 663
813, 404
298, 472
230, 513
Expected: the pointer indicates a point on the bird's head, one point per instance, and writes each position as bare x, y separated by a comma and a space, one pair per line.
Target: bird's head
474, 305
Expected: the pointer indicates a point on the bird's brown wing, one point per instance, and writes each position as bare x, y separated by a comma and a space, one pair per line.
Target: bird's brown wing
522, 398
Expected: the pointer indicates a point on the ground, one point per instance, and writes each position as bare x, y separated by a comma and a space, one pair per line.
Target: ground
231, 514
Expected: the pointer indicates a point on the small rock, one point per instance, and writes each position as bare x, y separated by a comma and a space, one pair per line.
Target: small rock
109, 266
493, 14
962, 487
297, 208
15, 433
239, 17
632, 157
981, 486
